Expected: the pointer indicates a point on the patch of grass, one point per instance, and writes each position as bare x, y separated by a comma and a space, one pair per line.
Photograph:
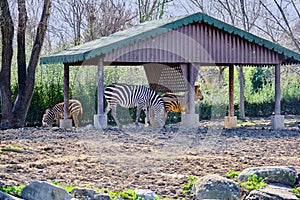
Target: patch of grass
253, 183
69, 188
296, 191
14, 148
187, 188
232, 174
12, 190
129, 194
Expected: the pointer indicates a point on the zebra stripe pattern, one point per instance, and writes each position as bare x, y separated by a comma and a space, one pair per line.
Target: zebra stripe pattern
139, 96
177, 103
57, 112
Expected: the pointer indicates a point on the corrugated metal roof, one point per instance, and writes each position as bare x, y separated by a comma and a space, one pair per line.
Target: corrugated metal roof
149, 29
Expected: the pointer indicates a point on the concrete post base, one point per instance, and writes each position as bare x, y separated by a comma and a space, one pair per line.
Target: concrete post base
277, 122
65, 123
190, 120
100, 121
230, 122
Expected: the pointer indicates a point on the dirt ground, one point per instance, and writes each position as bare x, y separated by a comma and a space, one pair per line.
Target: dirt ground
143, 157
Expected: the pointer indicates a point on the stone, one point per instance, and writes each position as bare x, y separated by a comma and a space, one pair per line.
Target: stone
101, 196
272, 174
100, 121
83, 193
190, 120
277, 122
230, 122
5, 196
65, 123
145, 194
216, 187
43, 190
273, 192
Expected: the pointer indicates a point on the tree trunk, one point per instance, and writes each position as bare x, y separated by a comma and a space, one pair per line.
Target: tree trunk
242, 91
7, 30
23, 100
15, 116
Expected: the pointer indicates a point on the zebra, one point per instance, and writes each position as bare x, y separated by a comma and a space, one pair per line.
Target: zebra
177, 103
139, 96
57, 112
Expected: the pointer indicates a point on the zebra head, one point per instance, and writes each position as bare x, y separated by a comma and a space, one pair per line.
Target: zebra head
157, 115
46, 119
198, 93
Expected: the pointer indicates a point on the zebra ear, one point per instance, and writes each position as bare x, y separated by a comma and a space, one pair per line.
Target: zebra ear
47, 110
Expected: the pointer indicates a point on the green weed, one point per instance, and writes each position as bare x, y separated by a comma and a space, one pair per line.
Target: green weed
253, 183
232, 174
296, 191
12, 190
187, 188
15, 148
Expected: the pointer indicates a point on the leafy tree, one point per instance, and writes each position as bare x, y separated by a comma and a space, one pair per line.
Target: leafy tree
14, 113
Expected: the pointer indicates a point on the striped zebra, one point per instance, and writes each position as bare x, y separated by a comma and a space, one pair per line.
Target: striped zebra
139, 96
57, 112
177, 103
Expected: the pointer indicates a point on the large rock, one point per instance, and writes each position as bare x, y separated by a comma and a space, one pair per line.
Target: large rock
273, 192
83, 193
88, 194
145, 194
5, 196
277, 174
216, 187
38, 190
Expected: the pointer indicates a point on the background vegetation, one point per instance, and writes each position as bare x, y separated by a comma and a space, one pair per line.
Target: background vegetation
259, 91
75, 22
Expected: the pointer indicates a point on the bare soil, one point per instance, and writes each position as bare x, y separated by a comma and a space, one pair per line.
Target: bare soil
143, 157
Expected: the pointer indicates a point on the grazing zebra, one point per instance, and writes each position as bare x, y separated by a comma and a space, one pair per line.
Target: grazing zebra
57, 112
139, 96
177, 103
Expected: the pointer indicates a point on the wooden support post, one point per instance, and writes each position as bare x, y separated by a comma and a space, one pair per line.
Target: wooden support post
191, 90
231, 120
66, 89
277, 90
277, 120
100, 86
231, 91
100, 119
190, 119
66, 123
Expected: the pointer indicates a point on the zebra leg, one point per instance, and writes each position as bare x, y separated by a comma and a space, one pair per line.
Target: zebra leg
152, 119
76, 122
138, 113
114, 114
107, 109
57, 122
146, 110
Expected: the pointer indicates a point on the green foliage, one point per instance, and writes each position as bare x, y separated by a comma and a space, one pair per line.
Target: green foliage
55, 183
16, 148
253, 183
232, 174
187, 188
69, 188
296, 191
12, 190
126, 194
258, 85
260, 77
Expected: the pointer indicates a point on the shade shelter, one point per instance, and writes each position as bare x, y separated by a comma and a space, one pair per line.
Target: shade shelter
174, 49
